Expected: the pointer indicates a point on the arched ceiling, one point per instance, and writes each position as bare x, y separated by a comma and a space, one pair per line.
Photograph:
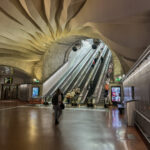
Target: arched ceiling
29, 28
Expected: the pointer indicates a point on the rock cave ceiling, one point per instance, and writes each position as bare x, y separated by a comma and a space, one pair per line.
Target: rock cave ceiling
28, 29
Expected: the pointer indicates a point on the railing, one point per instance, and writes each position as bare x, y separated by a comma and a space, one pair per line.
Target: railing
137, 124
99, 87
85, 90
138, 62
96, 75
141, 119
76, 73
65, 76
79, 79
65, 80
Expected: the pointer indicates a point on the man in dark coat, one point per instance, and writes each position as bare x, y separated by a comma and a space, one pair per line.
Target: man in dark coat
57, 101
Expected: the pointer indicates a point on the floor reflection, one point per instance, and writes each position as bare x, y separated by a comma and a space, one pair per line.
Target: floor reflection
116, 122
32, 128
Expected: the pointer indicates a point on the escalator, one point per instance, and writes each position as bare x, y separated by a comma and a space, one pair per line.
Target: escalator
95, 79
82, 75
98, 93
84, 72
91, 76
75, 75
65, 77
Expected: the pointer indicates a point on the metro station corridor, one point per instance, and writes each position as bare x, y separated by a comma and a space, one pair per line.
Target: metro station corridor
89, 59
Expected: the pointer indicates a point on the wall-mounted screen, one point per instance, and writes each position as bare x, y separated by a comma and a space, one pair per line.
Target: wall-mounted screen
35, 92
128, 93
116, 94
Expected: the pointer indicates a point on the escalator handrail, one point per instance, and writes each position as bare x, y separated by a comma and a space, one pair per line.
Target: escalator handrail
77, 71
51, 91
80, 72
84, 91
96, 76
98, 90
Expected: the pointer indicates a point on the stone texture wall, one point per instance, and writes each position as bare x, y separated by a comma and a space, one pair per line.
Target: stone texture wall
117, 68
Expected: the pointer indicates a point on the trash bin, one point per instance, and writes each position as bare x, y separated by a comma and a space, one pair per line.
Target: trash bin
130, 112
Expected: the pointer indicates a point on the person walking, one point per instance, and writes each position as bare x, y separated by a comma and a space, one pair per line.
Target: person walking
58, 105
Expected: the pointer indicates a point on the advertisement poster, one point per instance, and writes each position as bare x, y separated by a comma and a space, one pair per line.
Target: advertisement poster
35, 91
116, 94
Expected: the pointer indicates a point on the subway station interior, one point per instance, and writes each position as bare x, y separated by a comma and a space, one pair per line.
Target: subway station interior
96, 52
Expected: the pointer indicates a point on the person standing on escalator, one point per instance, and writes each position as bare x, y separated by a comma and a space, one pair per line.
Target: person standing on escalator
102, 59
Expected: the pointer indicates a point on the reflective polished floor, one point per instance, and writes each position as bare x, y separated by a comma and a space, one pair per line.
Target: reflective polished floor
32, 128
10, 104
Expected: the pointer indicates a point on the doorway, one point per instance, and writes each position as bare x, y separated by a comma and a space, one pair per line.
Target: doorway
9, 92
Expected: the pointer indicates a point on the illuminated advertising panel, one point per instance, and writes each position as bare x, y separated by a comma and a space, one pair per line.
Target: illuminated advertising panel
35, 92
116, 94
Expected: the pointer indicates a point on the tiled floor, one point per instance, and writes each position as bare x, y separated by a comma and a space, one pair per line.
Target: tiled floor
32, 128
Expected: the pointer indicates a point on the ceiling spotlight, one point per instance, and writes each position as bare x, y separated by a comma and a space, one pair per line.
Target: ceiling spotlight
94, 46
77, 46
34, 79
74, 48
96, 42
